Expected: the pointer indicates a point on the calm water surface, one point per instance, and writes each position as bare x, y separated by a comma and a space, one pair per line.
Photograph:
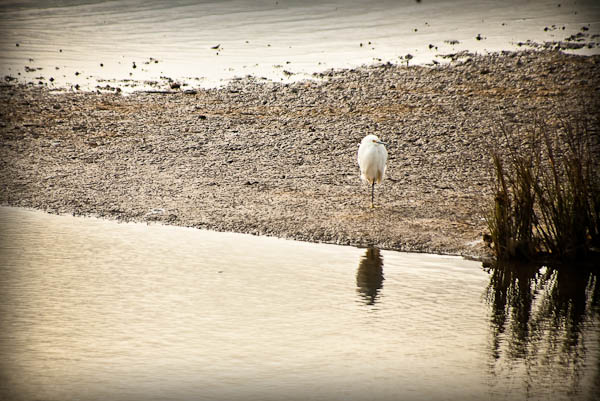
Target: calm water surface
96, 310
69, 39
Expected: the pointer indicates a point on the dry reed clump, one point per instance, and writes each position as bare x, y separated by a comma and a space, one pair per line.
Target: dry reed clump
547, 192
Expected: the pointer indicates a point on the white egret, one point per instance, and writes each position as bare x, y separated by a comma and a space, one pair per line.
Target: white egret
372, 157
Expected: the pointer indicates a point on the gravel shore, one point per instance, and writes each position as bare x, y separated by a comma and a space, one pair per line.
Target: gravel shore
280, 159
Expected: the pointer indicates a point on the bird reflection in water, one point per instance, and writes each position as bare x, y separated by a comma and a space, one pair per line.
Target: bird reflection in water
369, 277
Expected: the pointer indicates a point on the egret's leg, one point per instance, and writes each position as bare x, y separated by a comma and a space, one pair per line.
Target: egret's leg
372, 193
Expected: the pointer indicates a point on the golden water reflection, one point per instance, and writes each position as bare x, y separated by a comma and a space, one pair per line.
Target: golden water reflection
369, 277
93, 310
544, 321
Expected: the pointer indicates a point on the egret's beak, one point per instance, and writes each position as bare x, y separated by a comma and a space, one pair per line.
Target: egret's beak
382, 143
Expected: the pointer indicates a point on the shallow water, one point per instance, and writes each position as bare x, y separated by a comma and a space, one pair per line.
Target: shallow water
94, 310
270, 38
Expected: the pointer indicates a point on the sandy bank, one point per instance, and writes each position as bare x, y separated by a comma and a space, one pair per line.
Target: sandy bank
280, 159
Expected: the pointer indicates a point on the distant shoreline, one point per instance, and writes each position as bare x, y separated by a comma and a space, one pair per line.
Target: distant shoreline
280, 159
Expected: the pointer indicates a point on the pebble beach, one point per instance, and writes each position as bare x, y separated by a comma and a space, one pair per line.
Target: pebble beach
279, 159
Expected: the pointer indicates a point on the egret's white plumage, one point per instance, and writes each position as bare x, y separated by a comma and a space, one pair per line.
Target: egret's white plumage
372, 157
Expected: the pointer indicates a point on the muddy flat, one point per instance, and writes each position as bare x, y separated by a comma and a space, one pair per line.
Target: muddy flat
279, 159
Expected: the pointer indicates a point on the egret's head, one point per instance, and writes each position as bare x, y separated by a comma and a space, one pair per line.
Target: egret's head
373, 139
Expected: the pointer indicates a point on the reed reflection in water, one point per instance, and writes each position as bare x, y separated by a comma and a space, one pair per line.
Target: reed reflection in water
369, 277
545, 325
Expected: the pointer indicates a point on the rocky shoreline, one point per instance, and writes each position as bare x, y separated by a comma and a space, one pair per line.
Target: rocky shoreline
280, 159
